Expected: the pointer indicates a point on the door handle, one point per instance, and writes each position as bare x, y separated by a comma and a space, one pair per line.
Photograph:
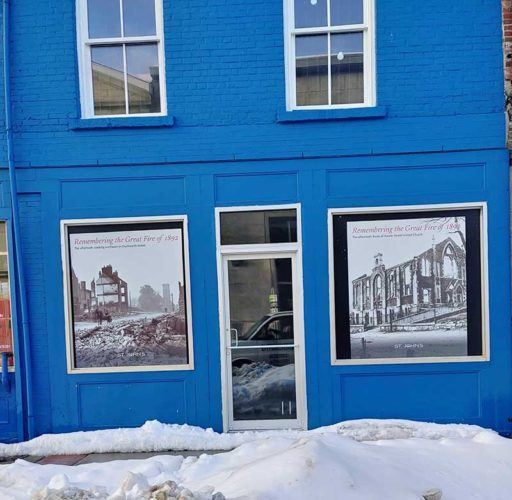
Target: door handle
231, 330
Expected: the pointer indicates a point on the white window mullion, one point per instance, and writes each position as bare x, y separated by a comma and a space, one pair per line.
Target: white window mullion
89, 86
121, 19
329, 83
118, 40
348, 28
125, 73
125, 67
292, 70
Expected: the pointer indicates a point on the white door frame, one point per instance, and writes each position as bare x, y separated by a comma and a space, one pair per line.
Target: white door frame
262, 251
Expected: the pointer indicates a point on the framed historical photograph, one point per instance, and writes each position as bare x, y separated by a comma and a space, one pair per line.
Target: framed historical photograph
127, 294
408, 284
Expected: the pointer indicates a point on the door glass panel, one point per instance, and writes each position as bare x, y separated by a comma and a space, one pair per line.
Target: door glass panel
261, 339
258, 226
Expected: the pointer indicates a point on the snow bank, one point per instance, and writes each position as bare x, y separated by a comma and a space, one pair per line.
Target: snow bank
376, 430
155, 436
152, 436
460, 461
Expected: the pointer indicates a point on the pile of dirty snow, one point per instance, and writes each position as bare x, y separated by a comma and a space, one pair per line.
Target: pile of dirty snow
358, 460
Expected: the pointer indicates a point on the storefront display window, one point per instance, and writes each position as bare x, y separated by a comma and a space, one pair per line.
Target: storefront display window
423, 273
127, 295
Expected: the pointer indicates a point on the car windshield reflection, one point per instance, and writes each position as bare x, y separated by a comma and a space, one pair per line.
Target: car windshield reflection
274, 328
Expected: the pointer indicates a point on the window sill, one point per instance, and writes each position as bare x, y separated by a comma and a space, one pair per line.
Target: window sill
315, 115
128, 122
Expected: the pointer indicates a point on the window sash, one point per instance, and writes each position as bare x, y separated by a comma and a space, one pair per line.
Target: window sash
366, 28
85, 44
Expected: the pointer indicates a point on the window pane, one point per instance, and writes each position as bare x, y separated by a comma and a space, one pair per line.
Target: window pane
311, 70
346, 12
143, 78
108, 80
347, 68
3, 238
104, 18
139, 17
266, 226
310, 13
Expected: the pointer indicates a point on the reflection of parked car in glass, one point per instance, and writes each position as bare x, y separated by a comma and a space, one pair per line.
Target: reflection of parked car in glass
271, 330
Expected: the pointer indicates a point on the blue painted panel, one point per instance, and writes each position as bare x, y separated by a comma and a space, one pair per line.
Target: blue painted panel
246, 188
406, 180
380, 391
451, 396
131, 403
8, 423
123, 192
4, 410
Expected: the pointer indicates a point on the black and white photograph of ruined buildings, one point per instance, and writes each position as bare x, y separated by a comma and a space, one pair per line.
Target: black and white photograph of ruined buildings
411, 300
129, 304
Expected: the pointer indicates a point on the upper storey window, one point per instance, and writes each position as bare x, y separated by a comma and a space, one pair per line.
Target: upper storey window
121, 57
330, 53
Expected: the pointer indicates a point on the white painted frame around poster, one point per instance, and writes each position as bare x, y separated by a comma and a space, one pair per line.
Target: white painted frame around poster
482, 206
64, 224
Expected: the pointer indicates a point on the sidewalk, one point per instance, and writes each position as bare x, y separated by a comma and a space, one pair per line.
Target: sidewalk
102, 457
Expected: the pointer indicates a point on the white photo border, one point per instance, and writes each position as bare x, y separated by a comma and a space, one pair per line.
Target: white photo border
71, 368
482, 206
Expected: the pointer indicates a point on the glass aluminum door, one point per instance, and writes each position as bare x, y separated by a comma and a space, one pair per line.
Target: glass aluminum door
263, 378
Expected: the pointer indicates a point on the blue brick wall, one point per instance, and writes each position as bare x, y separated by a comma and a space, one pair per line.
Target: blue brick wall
32, 246
437, 63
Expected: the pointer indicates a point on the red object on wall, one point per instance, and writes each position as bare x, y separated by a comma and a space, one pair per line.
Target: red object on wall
5, 326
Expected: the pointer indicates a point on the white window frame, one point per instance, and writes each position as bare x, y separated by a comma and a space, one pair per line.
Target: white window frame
255, 251
368, 30
84, 44
484, 283
68, 303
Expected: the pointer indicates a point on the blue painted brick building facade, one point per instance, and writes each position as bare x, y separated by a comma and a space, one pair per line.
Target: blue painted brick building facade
436, 136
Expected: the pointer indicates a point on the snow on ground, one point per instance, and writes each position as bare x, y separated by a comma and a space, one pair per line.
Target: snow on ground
356, 460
